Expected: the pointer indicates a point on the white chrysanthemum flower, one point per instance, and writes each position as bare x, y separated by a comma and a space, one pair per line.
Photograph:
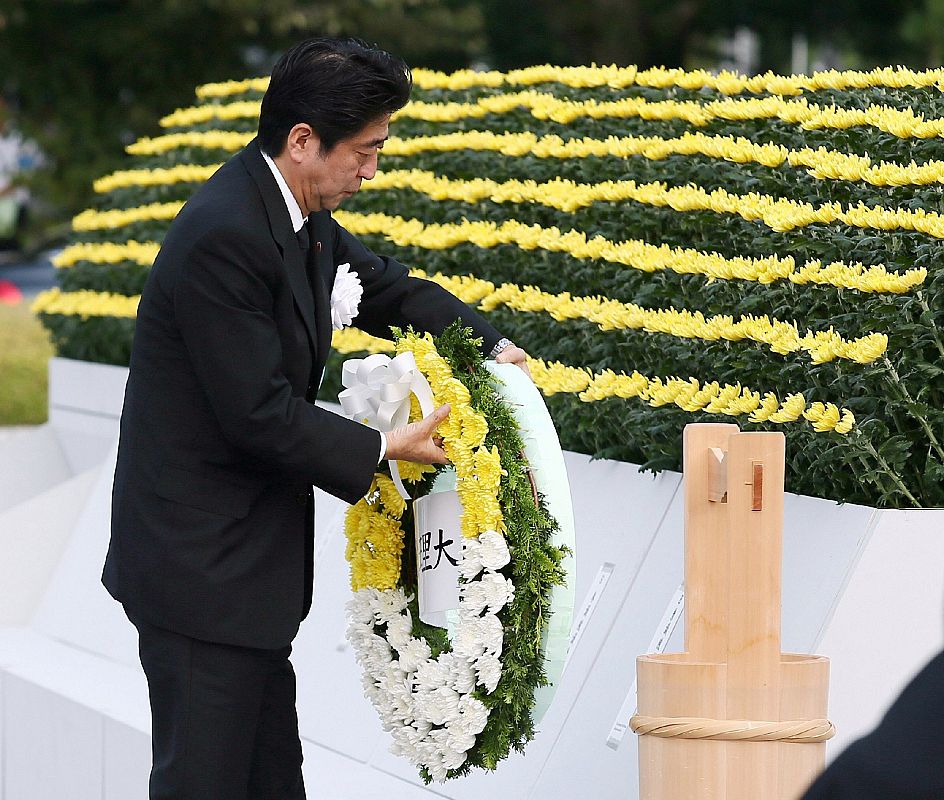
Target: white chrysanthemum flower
386, 710
437, 769
345, 296
447, 661
373, 646
404, 743
400, 699
453, 759
371, 650
376, 664
494, 552
446, 754
399, 632
432, 674
414, 654
395, 683
419, 729
388, 604
462, 676
439, 738
359, 608
372, 691
489, 669
492, 592
460, 739
359, 632
470, 564
394, 676
467, 643
499, 591
491, 633
477, 636
472, 601
472, 715
438, 706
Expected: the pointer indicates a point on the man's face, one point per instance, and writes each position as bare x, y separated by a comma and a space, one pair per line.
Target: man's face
328, 179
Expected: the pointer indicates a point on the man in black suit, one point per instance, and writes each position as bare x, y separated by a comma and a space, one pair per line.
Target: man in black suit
212, 517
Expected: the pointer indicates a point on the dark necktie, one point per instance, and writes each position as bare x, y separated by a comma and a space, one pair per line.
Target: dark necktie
304, 240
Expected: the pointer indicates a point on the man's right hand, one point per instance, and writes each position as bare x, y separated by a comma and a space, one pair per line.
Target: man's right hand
417, 441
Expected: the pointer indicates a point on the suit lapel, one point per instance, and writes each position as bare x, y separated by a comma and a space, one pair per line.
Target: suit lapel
280, 224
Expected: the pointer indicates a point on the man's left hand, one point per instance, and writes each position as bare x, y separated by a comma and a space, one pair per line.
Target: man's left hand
514, 355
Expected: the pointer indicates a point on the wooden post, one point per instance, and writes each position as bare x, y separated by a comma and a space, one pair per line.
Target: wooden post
731, 718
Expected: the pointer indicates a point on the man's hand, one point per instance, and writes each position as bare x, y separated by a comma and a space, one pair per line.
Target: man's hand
514, 355
417, 441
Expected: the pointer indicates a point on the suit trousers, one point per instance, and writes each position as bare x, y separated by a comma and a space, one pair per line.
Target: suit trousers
223, 719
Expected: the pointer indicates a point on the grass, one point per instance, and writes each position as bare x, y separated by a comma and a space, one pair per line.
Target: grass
25, 350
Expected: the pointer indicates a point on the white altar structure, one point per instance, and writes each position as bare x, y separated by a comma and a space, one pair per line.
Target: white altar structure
861, 586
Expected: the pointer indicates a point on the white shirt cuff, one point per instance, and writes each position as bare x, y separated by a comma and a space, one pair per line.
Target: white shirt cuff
383, 446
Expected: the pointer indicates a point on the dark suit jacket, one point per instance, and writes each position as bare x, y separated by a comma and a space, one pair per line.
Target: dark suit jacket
903, 758
220, 444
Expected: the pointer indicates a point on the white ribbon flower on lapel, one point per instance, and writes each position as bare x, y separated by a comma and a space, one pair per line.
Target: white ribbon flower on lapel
345, 296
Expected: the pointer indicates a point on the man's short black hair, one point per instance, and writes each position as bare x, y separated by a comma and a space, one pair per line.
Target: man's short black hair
335, 85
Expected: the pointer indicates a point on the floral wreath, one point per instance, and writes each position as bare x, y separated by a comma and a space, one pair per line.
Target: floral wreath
454, 705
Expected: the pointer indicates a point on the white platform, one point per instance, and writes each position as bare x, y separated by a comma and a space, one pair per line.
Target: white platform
863, 587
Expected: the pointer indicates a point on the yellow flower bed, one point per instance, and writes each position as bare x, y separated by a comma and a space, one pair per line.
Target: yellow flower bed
85, 304
550, 378
92, 220
777, 213
244, 109
904, 124
142, 253
615, 77
635, 253
183, 173
821, 163
726, 82
230, 141
632, 253
810, 116
779, 336
689, 395
766, 215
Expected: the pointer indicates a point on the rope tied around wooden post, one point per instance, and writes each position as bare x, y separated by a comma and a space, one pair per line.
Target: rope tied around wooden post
734, 730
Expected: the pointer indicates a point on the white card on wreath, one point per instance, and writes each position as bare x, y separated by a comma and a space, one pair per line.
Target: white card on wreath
438, 552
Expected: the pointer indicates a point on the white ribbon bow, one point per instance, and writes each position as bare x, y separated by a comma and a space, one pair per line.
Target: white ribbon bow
377, 392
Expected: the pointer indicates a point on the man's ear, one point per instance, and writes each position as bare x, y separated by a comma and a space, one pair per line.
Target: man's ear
302, 141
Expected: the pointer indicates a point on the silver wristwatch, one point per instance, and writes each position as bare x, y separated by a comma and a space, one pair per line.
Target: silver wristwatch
501, 344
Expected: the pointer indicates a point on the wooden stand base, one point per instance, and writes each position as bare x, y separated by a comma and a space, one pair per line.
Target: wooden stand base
681, 768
